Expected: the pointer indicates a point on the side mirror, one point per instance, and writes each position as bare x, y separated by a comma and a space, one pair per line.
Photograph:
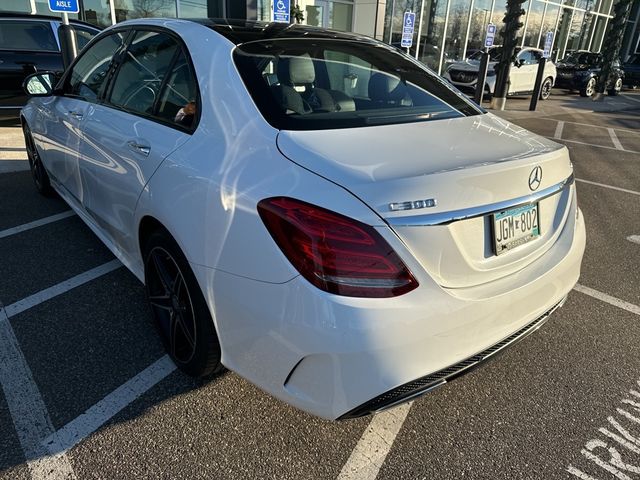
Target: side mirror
519, 62
39, 84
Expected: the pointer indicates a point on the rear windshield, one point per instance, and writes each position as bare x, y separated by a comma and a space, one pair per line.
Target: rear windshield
321, 84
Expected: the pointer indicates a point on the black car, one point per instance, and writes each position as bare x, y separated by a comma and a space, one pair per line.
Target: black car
580, 71
30, 43
632, 71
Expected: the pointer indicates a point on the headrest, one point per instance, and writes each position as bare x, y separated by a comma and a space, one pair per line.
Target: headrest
296, 70
386, 88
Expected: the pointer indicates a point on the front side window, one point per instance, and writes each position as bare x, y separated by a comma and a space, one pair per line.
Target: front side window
139, 79
88, 74
321, 84
27, 35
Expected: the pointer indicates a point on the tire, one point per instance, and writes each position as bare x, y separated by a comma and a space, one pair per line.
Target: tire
617, 87
589, 89
179, 309
38, 172
545, 89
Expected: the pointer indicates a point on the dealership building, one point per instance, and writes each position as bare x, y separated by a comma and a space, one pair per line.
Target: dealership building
445, 30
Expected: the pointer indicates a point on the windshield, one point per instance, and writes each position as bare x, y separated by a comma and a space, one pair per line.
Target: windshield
321, 84
581, 58
494, 54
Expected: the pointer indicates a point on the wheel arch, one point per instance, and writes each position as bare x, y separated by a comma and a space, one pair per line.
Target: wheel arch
147, 225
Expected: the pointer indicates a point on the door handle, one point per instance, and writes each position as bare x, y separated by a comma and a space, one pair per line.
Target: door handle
139, 148
76, 115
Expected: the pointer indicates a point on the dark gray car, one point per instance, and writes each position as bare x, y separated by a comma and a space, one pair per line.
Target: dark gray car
30, 43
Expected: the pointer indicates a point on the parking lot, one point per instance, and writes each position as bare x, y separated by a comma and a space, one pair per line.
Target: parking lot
87, 391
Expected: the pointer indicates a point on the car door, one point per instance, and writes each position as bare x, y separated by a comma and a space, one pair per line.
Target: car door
82, 86
149, 112
26, 46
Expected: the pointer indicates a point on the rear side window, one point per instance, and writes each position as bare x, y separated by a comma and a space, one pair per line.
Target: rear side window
178, 100
27, 35
146, 63
321, 84
88, 74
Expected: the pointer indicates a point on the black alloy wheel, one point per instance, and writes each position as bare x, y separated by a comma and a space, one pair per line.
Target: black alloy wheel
179, 308
38, 172
545, 89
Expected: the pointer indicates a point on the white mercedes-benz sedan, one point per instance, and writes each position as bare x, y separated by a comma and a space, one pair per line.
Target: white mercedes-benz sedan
309, 208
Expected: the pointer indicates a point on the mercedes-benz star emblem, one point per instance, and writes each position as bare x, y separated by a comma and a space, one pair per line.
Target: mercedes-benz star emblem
535, 178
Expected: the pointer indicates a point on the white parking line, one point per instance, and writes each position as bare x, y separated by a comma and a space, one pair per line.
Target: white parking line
559, 128
614, 139
60, 288
28, 410
631, 98
81, 427
633, 192
634, 239
374, 445
35, 223
616, 302
590, 125
592, 145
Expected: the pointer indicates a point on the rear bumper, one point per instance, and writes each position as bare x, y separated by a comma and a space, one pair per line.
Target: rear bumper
340, 357
419, 387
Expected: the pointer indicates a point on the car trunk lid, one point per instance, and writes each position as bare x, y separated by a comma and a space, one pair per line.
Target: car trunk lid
455, 165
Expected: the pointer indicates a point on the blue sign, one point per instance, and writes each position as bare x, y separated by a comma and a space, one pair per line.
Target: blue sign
281, 11
62, 6
548, 43
408, 23
491, 35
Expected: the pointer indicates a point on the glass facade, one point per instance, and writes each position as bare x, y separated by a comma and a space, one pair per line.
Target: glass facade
446, 30
453, 29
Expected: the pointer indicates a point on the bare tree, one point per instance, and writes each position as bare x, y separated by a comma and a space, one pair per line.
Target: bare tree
150, 8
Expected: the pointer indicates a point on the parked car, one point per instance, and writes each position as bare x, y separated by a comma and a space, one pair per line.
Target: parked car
632, 71
522, 77
30, 43
580, 71
311, 209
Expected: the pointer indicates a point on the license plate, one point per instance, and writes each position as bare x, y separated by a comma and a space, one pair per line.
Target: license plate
515, 227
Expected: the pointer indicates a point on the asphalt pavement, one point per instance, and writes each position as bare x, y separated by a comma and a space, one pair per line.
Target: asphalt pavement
87, 391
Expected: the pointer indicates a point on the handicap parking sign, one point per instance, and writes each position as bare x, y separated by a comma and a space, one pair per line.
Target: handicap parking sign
281, 11
408, 24
491, 35
548, 43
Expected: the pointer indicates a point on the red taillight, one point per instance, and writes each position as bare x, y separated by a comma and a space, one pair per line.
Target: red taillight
335, 253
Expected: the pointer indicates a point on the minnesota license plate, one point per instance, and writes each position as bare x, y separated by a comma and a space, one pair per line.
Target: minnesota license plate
515, 227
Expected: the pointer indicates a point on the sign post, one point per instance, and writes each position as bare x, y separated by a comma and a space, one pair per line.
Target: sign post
408, 24
282, 11
484, 63
66, 33
548, 42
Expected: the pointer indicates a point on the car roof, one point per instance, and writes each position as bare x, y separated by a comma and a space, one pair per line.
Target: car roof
243, 31
27, 16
